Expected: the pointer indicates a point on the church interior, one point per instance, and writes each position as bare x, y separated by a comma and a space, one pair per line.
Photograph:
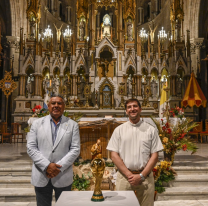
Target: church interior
97, 54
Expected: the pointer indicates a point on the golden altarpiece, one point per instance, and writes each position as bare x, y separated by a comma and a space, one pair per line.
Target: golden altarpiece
102, 61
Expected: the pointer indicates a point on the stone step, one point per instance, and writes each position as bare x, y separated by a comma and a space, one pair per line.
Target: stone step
189, 181
15, 182
17, 195
179, 203
186, 170
184, 193
16, 171
21, 204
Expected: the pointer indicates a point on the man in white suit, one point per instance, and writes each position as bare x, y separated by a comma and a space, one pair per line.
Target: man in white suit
53, 144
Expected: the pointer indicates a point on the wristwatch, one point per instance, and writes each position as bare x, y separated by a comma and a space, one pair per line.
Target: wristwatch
142, 177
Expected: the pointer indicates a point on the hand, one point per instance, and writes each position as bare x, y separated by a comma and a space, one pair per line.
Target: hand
135, 179
53, 170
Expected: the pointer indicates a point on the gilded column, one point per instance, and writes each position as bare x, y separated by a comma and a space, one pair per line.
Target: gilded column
139, 85
120, 26
113, 106
92, 27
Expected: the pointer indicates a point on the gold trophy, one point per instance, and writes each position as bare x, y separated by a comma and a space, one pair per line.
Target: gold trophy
97, 168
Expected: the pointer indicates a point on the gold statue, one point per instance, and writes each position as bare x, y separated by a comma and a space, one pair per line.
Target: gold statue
58, 32
96, 149
97, 168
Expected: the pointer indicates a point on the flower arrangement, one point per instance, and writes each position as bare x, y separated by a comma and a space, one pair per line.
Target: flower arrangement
38, 112
177, 112
175, 137
163, 172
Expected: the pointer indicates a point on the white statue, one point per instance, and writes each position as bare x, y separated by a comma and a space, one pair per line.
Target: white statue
107, 20
55, 84
81, 31
46, 84
129, 30
30, 85
154, 88
129, 85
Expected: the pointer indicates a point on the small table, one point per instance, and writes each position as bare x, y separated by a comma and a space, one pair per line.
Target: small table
80, 198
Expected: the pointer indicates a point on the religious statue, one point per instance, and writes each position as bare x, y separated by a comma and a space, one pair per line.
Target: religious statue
46, 84
129, 85
106, 25
179, 86
129, 30
97, 168
96, 149
154, 88
30, 85
58, 32
104, 66
55, 85
152, 32
81, 31
163, 81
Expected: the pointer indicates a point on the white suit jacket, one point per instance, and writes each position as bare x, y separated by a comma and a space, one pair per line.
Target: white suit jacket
41, 150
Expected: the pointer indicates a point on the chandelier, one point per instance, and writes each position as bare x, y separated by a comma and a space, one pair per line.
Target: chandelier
67, 33
162, 35
48, 34
143, 35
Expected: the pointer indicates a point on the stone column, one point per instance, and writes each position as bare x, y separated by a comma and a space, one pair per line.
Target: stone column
37, 84
40, 92
159, 85
140, 15
149, 11
139, 85
156, 6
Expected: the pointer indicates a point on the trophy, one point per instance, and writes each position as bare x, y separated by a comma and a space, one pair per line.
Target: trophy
97, 168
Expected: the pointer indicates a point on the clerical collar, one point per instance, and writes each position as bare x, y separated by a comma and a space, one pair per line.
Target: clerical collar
137, 124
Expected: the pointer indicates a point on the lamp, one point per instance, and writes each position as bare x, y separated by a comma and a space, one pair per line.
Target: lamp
162, 35
48, 34
143, 35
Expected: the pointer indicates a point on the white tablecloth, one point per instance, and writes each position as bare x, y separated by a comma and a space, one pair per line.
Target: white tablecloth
83, 198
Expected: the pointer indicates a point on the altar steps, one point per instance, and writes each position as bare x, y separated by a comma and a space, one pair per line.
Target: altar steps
178, 203
191, 183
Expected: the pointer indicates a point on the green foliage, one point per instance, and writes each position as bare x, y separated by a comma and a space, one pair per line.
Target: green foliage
109, 164
80, 183
164, 177
77, 116
27, 129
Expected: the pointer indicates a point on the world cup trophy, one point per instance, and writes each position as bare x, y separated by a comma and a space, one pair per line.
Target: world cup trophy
97, 168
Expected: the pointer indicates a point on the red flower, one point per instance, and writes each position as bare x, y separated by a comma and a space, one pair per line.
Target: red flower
154, 170
173, 114
33, 110
168, 130
167, 125
163, 128
184, 147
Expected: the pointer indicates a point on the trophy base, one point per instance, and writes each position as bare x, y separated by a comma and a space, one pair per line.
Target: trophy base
97, 198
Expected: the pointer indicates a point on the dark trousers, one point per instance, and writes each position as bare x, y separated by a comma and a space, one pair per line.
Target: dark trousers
44, 194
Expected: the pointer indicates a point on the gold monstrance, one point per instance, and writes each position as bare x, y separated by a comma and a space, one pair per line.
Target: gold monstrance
8, 86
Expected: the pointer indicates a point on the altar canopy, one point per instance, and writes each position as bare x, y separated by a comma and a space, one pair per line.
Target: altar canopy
193, 95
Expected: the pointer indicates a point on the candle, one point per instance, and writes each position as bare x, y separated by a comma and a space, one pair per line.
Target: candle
68, 78
167, 83
122, 79
50, 82
90, 78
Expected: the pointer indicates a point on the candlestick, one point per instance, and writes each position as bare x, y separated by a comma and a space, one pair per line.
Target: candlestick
50, 82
